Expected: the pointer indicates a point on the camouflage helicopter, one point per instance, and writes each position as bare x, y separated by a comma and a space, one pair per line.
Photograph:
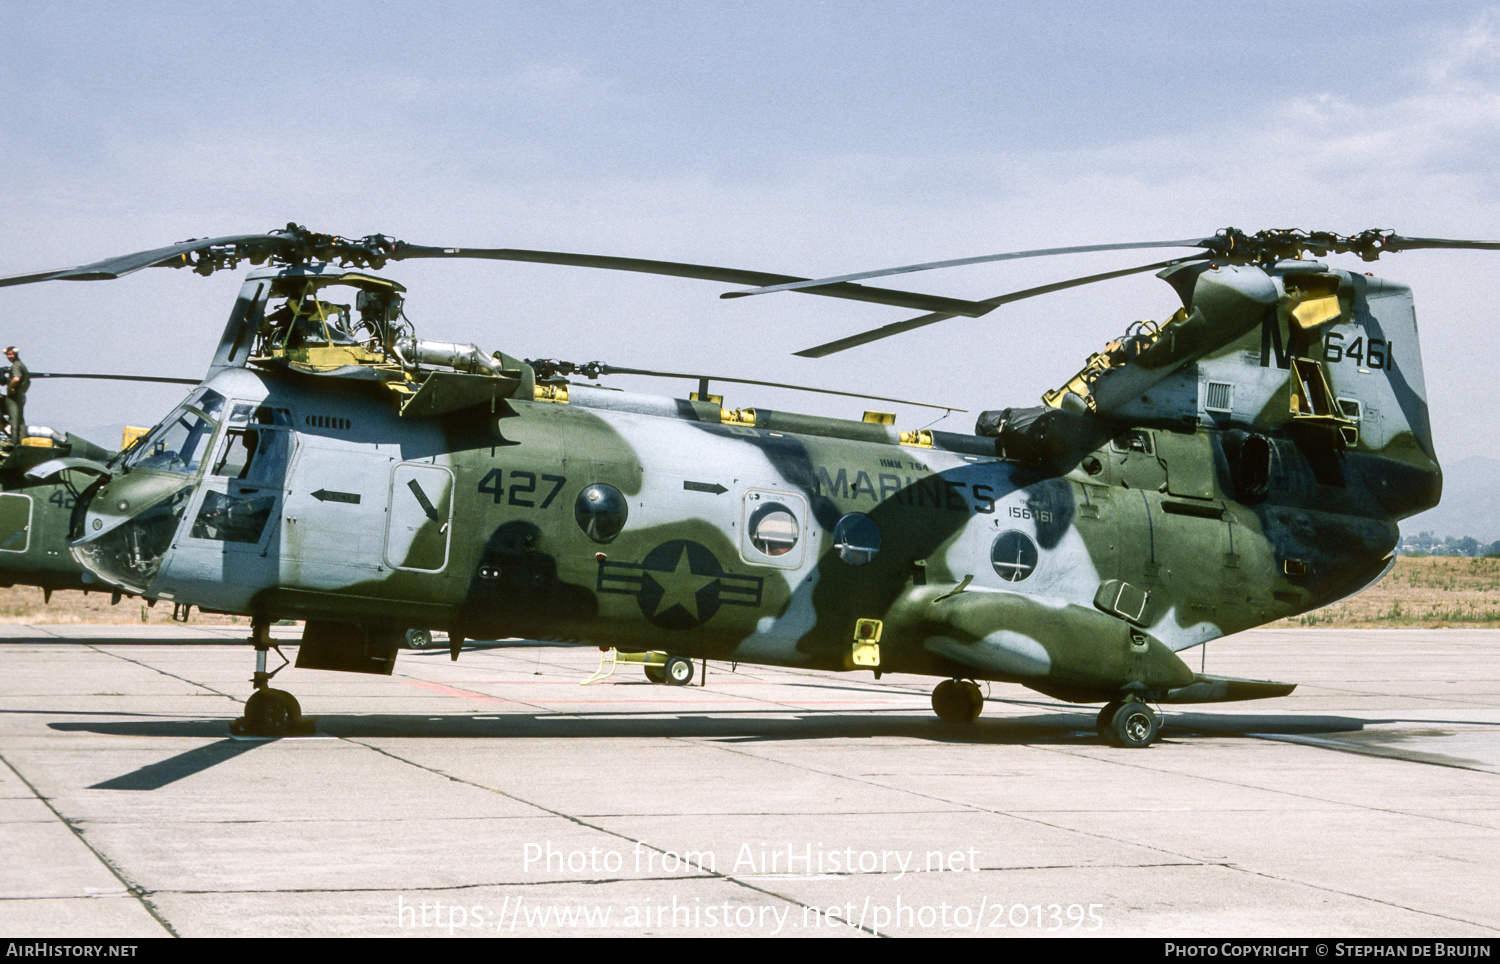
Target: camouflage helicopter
36, 513
1243, 460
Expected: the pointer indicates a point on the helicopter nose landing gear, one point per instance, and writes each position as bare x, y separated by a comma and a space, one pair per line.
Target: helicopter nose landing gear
1128, 723
957, 701
268, 712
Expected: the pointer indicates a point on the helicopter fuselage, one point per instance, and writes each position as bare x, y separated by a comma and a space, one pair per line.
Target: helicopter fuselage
648, 523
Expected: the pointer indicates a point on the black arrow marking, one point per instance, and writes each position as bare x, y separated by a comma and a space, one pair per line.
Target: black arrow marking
324, 495
713, 487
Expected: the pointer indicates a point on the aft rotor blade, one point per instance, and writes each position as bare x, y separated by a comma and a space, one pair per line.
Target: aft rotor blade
958, 262
612, 370
121, 378
1397, 243
111, 268
702, 272
886, 331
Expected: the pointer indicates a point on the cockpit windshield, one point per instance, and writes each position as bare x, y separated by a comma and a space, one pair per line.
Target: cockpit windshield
179, 443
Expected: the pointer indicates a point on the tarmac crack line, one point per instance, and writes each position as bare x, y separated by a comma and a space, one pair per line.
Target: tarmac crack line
139, 893
974, 808
1189, 859
713, 874
1288, 793
1239, 868
157, 669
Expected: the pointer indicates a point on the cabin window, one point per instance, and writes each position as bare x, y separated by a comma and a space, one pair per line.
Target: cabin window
775, 524
600, 511
856, 538
773, 529
1013, 555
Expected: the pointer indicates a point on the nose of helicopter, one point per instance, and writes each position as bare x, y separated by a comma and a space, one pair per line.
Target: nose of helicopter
128, 525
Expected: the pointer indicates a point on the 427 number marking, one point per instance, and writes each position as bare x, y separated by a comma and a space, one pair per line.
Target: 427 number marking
522, 488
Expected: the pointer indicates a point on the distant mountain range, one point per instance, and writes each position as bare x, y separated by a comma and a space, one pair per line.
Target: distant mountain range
1471, 502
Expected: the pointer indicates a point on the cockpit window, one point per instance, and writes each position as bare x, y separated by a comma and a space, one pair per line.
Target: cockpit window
256, 444
210, 401
176, 445
245, 413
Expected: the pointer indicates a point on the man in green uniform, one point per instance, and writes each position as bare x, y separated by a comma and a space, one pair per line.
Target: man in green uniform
15, 395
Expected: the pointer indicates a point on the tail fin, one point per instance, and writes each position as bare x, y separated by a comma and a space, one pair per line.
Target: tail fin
1329, 355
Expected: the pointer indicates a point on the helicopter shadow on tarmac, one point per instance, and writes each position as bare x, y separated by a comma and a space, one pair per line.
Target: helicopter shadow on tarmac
1058, 728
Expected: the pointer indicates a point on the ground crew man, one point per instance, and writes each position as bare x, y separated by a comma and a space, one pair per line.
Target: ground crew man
15, 395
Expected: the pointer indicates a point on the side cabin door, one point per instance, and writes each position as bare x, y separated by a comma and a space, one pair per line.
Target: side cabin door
333, 534
1179, 548
15, 524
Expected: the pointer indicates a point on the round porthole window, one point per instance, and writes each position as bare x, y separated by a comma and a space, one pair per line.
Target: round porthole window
1014, 555
773, 529
600, 511
856, 538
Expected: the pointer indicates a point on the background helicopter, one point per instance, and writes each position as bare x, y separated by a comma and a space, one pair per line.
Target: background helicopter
1244, 460
36, 514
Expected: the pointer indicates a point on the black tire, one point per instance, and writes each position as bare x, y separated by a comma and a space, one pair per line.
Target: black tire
1134, 726
656, 674
678, 671
955, 702
1101, 724
975, 695
418, 638
272, 713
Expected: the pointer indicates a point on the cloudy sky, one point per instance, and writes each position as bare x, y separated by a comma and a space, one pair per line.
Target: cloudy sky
800, 137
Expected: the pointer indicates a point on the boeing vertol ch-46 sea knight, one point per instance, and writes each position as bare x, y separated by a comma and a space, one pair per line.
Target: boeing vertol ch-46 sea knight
1244, 460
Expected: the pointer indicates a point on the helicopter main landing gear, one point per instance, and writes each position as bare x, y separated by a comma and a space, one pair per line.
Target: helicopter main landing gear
1128, 723
957, 701
268, 712
678, 671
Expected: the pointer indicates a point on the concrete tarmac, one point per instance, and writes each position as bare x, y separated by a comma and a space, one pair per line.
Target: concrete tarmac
496, 797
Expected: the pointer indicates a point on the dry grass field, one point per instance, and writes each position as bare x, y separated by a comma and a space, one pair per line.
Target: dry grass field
1430, 592
1421, 591
24, 604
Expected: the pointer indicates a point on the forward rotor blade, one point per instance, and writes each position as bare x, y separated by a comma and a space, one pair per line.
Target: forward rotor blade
121, 378
702, 272
886, 331
612, 370
931, 265
111, 268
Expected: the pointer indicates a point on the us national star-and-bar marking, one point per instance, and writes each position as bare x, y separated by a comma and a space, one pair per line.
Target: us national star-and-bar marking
679, 585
